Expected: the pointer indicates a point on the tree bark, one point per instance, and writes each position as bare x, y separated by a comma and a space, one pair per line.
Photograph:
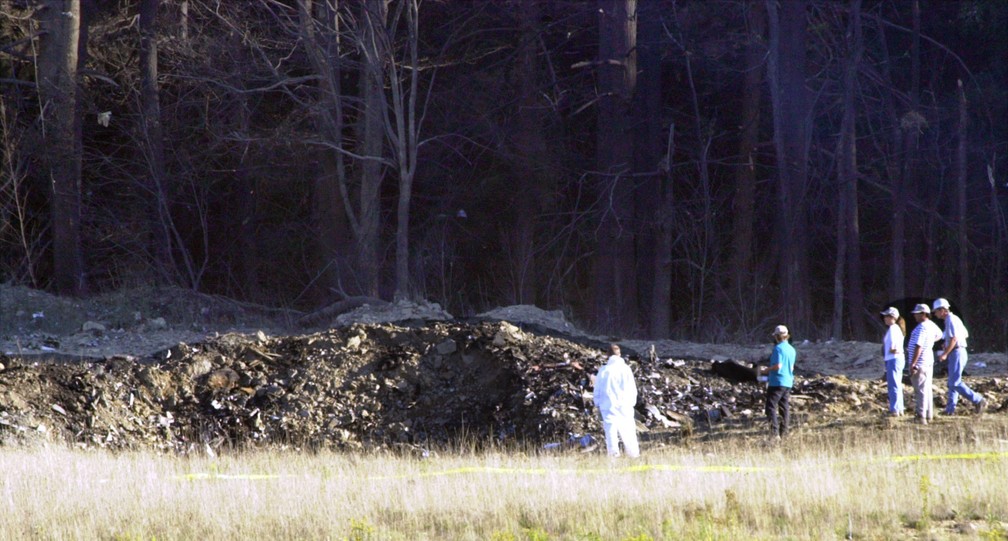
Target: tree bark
529, 144
332, 209
654, 276
404, 134
157, 232
615, 287
57, 75
246, 204
791, 108
703, 261
662, 289
998, 284
895, 173
184, 20
912, 124
372, 132
744, 200
963, 263
847, 277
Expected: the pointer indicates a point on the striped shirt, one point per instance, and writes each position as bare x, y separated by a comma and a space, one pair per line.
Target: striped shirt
924, 336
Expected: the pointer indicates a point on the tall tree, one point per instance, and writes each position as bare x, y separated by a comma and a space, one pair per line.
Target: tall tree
788, 20
847, 276
615, 262
152, 141
60, 22
402, 127
320, 33
184, 20
245, 182
529, 145
894, 159
653, 234
371, 133
703, 256
961, 226
912, 124
744, 200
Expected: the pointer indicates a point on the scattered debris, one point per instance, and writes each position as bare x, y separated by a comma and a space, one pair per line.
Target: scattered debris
152, 373
383, 386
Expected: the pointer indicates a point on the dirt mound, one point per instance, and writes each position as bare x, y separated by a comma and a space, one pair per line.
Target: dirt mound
368, 385
135, 322
394, 312
381, 385
147, 368
527, 314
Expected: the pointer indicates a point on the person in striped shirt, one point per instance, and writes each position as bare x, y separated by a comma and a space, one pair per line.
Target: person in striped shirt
921, 357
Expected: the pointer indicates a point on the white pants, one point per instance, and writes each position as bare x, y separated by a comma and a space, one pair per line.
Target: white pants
923, 391
621, 429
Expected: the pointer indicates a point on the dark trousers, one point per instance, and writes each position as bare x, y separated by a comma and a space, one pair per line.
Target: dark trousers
778, 409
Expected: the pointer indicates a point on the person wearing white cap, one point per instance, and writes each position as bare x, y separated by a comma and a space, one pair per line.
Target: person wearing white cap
780, 379
615, 395
895, 359
955, 337
921, 357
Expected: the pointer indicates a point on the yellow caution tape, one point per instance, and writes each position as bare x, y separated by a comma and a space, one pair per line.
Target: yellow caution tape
960, 456
634, 468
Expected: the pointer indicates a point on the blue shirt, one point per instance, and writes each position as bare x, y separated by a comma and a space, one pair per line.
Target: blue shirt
784, 355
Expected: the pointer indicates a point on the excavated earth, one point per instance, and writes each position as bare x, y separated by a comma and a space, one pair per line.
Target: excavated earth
412, 384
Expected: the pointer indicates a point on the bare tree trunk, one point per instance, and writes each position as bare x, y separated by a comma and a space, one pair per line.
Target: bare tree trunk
57, 75
912, 123
403, 130
961, 197
998, 283
895, 172
529, 145
662, 291
792, 108
615, 286
654, 254
158, 237
246, 205
332, 209
704, 260
847, 277
184, 20
744, 200
374, 17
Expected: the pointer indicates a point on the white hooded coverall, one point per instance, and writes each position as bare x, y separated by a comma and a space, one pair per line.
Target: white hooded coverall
615, 395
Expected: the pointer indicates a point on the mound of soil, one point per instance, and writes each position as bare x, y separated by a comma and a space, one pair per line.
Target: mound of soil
380, 385
155, 371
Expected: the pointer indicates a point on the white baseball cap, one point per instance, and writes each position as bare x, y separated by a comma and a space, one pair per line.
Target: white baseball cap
921, 309
891, 311
780, 330
940, 302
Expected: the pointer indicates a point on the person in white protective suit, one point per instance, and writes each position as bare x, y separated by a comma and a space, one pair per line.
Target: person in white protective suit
615, 395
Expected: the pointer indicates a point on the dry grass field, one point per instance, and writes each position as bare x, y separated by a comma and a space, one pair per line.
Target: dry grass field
862, 479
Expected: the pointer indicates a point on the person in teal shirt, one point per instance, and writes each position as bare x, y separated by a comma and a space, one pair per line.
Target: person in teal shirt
780, 379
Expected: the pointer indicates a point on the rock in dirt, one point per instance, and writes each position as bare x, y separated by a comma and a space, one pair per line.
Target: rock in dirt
532, 315
93, 327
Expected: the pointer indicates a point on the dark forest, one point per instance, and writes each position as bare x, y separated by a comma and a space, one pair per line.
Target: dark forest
699, 170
